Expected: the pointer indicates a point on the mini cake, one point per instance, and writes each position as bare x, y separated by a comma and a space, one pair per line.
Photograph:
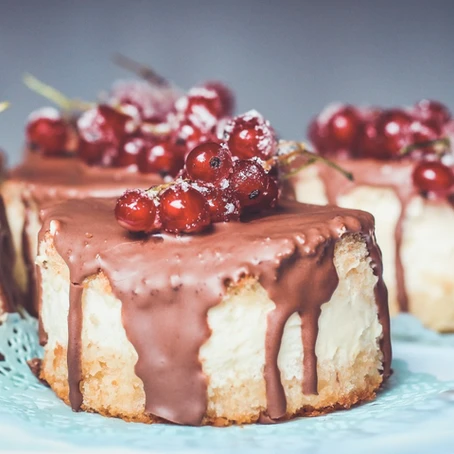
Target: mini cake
209, 301
279, 316
402, 174
136, 139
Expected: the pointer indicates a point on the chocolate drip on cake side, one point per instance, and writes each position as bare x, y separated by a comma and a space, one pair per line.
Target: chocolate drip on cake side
30, 297
381, 297
167, 285
396, 176
75, 345
303, 283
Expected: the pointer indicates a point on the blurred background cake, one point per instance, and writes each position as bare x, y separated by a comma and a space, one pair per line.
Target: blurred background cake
401, 161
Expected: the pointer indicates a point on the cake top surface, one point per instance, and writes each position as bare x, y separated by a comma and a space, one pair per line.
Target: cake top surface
87, 231
55, 177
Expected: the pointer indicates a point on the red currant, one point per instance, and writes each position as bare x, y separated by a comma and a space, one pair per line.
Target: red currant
129, 151
343, 127
183, 209
209, 162
370, 145
136, 211
201, 101
433, 176
96, 153
225, 95
224, 206
433, 111
424, 131
47, 132
250, 135
393, 131
160, 157
187, 136
315, 134
100, 129
250, 183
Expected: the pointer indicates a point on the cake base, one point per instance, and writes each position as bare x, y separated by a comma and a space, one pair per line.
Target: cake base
344, 389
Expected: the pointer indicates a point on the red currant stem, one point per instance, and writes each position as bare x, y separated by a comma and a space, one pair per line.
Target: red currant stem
155, 190
156, 129
145, 72
54, 95
298, 169
4, 105
440, 146
299, 149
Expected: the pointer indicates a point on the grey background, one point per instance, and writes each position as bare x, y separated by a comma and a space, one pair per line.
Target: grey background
285, 58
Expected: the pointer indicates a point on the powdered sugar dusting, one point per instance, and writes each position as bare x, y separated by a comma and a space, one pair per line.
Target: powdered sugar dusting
50, 113
327, 113
151, 100
203, 92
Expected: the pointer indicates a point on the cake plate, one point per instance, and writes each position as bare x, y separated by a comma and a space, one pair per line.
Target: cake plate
414, 413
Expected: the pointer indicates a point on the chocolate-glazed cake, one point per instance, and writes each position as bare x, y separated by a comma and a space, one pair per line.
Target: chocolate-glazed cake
405, 179
279, 315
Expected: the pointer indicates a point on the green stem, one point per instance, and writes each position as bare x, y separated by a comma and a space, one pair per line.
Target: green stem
54, 95
159, 188
4, 105
444, 141
300, 150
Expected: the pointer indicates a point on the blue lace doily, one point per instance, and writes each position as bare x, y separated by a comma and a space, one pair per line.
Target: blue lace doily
402, 413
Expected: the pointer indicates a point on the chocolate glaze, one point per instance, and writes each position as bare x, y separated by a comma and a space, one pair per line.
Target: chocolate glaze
46, 180
30, 296
75, 345
396, 175
10, 295
168, 283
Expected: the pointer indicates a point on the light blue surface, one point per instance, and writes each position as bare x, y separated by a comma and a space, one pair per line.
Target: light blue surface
414, 413
405, 327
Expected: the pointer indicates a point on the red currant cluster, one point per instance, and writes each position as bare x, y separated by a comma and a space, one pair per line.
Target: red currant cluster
346, 130
418, 132
219, 183
140, 125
